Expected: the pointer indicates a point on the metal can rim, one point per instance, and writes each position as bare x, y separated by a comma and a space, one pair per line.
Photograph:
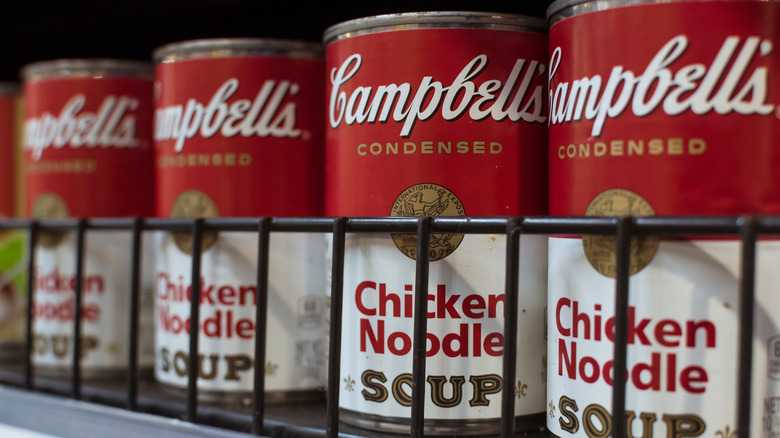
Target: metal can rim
225, 47
433, 19
559, 9
10, 88
85, 67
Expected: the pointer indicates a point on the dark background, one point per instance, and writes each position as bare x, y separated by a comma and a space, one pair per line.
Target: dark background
36, 30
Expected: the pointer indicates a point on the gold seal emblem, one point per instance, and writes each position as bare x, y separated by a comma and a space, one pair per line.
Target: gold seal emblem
601, 249
50, 206
427, 200
194, 204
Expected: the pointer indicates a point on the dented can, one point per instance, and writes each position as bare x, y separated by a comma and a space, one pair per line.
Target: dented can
673, 120
438, 114
88, 153
238, 129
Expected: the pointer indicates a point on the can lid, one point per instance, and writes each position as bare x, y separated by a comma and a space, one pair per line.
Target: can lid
224, 47
560, 9
10, 88
86, 68
417, 20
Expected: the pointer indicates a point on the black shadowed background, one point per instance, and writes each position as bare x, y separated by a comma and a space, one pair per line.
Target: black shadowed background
36, 30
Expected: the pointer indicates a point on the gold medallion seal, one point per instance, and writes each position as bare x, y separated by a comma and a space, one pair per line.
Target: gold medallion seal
601, 249
50, 206
194, 204
427, 200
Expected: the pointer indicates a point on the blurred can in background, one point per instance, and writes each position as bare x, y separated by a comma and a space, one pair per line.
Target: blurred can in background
88, 154
238, 130
13, 250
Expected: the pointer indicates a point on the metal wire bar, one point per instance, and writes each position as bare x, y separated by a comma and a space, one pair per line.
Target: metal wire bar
749, 232
334, 348
77, 307
261, 324
623, 254
512, 230
419, 343
32, 236
135, 299
194, 363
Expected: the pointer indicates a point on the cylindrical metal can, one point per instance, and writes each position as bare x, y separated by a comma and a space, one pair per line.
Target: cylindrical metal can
88, 153
653, 114
12, 242
438, 114
238, 129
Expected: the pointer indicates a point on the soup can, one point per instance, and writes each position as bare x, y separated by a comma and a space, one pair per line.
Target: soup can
88, 153
13, 301
438, 114
238, 129
675, 119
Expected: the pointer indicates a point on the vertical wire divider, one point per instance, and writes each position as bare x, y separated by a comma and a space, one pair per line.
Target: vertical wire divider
334, 347
135, 297
77, 309
512, 276
261, 324
32, 235
623, 263
194, 364
419, 343
748, 233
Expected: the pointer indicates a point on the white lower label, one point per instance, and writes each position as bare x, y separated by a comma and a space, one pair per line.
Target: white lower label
465, 339
105, 303
683, 345
297, 328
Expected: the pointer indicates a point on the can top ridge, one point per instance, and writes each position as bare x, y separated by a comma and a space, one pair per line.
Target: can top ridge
225, 47
560, 9
438, 19
77, 67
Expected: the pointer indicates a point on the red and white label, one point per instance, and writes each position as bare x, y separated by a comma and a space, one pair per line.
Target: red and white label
685, 117
88, 153
90, 141
246, 131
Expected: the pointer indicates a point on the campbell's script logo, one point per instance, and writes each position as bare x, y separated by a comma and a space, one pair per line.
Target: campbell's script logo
727, 85
514, 98
113, 125
268, 115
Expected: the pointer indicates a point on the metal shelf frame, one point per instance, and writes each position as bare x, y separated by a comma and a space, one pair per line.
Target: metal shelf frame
747, 229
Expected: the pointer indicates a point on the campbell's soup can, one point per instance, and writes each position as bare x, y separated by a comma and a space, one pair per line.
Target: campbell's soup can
438, 114
13, 267
675, 119
88, 153
238, 129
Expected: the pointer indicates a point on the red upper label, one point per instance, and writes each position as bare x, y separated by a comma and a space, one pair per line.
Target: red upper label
461, 108
7, 156
685, 116
89, 141
245, 131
